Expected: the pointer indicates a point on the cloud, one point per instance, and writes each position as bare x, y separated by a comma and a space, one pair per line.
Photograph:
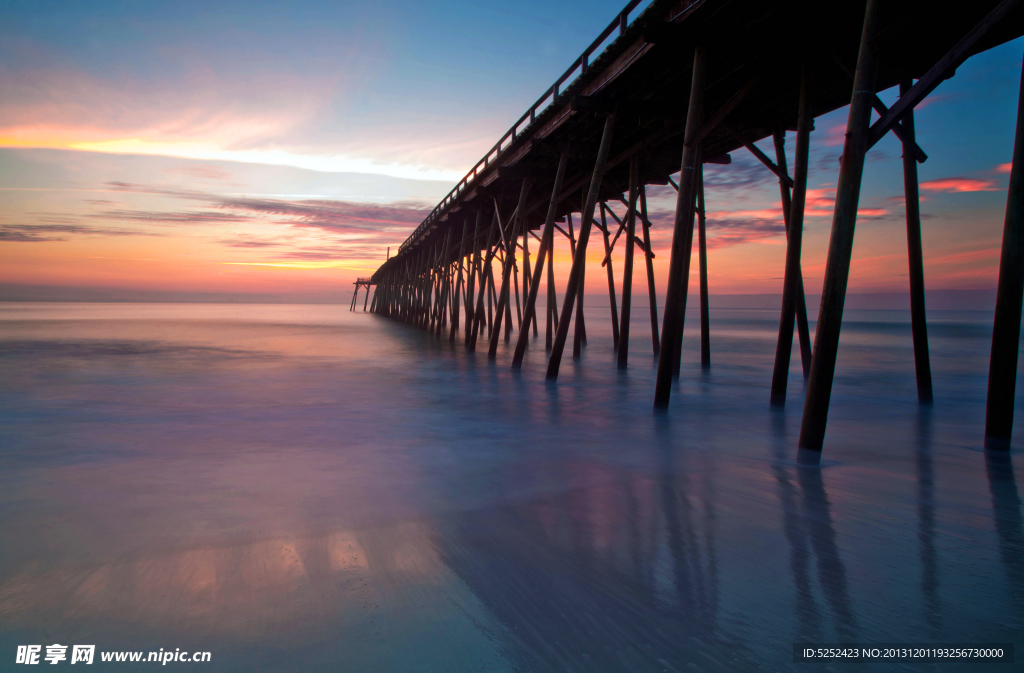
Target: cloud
201, 172
159, 217
245, 242
744, 172
39, 233
312, 255
956, 185
1003, 168
725, 230
835, 135
264, 115
356, 229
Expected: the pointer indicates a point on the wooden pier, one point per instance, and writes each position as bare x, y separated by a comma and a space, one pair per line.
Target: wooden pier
667, 90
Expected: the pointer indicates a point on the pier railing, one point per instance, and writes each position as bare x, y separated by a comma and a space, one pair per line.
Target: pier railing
549, 97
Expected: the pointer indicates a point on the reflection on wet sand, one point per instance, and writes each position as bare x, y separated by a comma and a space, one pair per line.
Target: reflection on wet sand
807, 521
243, 589
1006, 510
926, 520
383, 596
614, 577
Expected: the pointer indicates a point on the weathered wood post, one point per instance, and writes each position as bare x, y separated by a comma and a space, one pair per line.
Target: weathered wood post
579, 259
504, 306
552, 322
622, 355
611, 277
682, 239
915, 254
579, 332
652, 292
782, 170
547, 240
479, 315
840, 249
471, 314
457, 297
705, 320
1002, 369
792, 279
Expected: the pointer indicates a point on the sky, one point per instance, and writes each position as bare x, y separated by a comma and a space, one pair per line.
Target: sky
272, 151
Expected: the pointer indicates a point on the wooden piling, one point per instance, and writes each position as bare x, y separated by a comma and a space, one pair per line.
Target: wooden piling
915, 254
794, 240
579, 259
622, 352
675, 300
705, 319
457, 296
471, 314
652, 291
1002, 371
546, 249
479, 315
611, 277
507, 264
837, 268
552, 322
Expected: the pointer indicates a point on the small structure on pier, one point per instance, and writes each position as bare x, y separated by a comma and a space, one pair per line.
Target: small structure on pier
361, 282
679, 85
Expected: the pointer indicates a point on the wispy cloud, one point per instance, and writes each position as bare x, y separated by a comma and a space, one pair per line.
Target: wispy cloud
39, 233
245, 242
338, 217
158, 217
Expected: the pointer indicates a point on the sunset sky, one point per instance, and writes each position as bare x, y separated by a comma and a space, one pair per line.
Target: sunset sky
263, 150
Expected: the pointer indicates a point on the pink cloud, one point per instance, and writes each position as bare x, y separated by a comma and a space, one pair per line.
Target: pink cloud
835, 135
819, 203
871, 213
956, 185
966, 257
1003, 168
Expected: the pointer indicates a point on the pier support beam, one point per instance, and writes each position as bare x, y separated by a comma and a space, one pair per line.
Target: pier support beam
702, 257
915, 255
547, 241
552, 322
793, 280
1002, 369
682, 240
504, 309
787, 205
480, 316
474, 265
652, 291
622, 354
580, 257
457, 296
611, 277
840, 250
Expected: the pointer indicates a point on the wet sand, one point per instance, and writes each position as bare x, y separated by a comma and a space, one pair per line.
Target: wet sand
300, 488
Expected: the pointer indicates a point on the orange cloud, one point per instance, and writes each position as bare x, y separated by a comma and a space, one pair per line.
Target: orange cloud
1003, 168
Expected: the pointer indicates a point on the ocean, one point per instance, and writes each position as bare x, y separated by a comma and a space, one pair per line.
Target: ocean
305, 488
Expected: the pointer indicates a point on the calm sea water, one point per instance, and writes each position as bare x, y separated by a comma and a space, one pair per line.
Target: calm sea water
301, 488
